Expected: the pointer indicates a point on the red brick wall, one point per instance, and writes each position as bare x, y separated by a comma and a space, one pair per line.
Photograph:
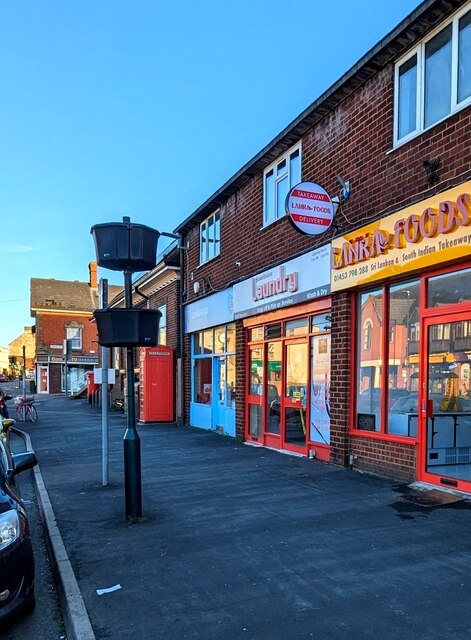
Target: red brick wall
385, 458
51, 329
355, 141
55, 377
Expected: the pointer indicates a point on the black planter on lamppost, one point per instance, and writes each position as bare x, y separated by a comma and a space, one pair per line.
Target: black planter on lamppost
122, 246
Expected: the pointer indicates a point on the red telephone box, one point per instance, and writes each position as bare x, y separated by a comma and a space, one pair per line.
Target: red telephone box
156, 389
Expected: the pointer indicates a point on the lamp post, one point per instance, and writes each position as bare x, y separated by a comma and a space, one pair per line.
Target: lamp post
131, 441
129, 248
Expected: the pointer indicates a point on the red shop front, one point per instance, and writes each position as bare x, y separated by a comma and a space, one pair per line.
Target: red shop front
288, 379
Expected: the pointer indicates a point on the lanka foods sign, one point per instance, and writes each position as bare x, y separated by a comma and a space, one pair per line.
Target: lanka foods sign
431, 232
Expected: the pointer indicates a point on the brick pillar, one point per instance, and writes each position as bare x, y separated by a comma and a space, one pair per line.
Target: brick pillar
240, 380
341, 364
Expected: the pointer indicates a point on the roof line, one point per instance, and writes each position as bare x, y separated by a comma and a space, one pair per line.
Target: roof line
324, 104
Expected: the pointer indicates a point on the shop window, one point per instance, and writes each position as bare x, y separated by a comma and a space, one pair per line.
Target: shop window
450, 288
231, 380
279, 178
210, 237
387, 396
220, 340
319, 413
256, 371
297, 327
273, 331
74, 334
163, 325
203, 388
255, 420
434, 79
231, 338
256, 334
321, 323
369, 361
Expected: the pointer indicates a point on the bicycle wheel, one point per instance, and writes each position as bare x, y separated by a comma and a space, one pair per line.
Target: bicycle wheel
21, 412
33, 414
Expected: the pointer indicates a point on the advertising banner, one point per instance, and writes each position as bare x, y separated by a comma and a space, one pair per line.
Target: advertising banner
302, 279
211, 311
425, 234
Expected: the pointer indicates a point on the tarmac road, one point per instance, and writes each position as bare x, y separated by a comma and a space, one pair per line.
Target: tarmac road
244, 543
45, 621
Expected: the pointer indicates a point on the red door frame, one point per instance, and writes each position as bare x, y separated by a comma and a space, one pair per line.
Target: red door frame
317, 307
292, 403
434, 318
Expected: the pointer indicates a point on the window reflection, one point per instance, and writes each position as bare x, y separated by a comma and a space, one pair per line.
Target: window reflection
203, 388
256, 371
450, 288
403, 356
273, 404
370, 357
438, 77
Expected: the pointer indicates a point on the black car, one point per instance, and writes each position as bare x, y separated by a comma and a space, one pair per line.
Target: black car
16, 552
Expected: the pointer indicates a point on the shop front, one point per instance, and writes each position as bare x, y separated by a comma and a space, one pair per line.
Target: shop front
411, 275
50, 372
211, 328
286, 315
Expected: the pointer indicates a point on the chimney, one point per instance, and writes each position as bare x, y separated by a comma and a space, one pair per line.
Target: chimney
93, 275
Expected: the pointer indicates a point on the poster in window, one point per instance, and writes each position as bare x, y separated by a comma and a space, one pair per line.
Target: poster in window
320, 390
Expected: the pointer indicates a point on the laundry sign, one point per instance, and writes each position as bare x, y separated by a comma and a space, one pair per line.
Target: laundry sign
302, 279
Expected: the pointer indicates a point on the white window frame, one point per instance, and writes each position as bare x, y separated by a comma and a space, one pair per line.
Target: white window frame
75, 338
419, 51
205, 241
286, 157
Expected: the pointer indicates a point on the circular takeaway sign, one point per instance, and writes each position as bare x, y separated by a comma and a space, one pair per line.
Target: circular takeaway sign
309, 208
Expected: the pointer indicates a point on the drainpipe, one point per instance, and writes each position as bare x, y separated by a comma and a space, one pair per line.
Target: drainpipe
182, 336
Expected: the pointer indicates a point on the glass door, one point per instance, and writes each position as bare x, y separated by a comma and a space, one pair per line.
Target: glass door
43, 380
219, 398
446, 401
295, 394
273, 392
255, 391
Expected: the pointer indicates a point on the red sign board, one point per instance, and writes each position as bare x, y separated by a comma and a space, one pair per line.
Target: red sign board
309, 208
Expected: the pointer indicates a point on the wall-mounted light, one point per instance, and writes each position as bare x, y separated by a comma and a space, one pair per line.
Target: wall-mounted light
196, 287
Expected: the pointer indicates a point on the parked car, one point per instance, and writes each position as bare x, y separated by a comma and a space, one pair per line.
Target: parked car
369, 400
16, 552
409, 404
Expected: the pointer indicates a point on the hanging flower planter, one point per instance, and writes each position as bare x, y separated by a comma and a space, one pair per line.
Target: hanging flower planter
127, 327
125, 246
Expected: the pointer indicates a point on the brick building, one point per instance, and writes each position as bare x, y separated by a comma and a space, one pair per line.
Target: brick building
157, 289
15, 351
63, 310
352, 345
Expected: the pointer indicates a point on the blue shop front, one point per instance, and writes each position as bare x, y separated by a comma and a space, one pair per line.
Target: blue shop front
210, 324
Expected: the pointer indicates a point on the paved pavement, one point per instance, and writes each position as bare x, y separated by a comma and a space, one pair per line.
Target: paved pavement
243, 543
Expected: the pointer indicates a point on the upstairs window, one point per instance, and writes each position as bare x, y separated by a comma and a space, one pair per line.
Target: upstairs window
210, 238
434, 80
75, 334
278, 179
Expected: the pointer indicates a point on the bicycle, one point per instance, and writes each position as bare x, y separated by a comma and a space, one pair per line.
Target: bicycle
25, 408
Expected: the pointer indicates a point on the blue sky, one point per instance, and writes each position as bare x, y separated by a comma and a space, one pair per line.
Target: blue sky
145, 108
